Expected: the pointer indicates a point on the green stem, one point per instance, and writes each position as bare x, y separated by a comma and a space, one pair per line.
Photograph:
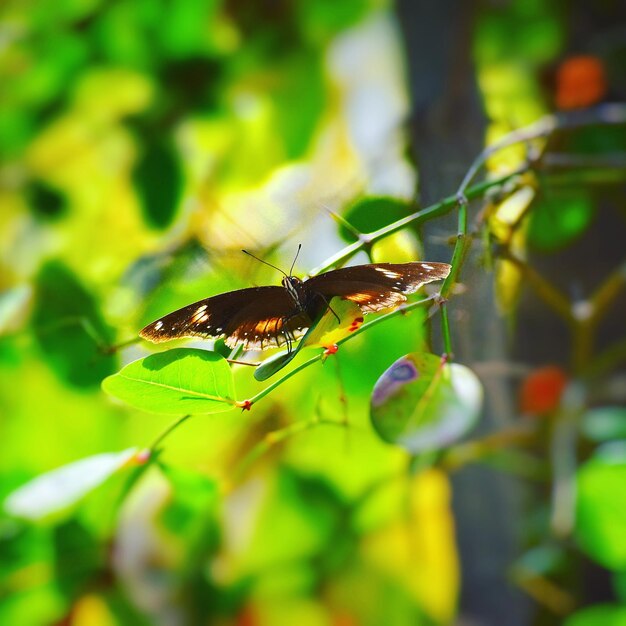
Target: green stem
445, 331
168, 431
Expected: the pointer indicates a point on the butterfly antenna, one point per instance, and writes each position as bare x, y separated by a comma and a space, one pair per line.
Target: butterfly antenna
295, 259
264, 262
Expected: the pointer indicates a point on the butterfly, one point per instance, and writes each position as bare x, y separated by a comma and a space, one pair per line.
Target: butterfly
268, 317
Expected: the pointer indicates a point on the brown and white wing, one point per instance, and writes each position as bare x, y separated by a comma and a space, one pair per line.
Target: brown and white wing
257, 317
377, 286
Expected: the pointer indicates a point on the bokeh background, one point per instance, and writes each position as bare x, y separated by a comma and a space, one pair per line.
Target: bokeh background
144, 143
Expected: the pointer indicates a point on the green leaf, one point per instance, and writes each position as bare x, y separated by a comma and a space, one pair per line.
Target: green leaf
302, 74
558, 218
179, 381
69, 327
600, 512
370, 214
158, 178
604, 423
422, 403
599, 615
61, 488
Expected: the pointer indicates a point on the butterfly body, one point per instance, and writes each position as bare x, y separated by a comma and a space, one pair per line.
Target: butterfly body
272, 316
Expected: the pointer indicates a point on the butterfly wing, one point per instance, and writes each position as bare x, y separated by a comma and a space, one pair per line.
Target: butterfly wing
376, 286
257, 317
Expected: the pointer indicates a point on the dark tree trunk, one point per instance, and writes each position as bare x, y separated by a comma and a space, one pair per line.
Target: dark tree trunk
447, 132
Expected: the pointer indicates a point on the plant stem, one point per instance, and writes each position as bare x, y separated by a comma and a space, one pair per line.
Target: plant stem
445, 331
168, 431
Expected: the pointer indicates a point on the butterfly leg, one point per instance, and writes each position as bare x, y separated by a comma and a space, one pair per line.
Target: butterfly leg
287, 334
323, 297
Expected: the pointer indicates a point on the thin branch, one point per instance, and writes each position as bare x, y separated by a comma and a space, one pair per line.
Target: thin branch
436, 210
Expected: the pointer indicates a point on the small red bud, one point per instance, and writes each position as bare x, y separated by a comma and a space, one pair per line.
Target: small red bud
541, 391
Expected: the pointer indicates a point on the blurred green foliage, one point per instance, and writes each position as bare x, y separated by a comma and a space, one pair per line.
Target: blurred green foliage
145, 143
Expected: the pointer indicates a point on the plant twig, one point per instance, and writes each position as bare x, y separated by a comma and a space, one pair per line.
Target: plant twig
436, 210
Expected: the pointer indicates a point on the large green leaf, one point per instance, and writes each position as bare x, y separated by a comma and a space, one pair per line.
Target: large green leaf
600, 511
422, 403
179, 381
58, 490
70, 328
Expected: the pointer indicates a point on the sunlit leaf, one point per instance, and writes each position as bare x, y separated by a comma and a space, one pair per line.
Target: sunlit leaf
92, 609
59, 489
598, 615
600, 512
401, 247
422, 403
429, 569
340, 320
179, 381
